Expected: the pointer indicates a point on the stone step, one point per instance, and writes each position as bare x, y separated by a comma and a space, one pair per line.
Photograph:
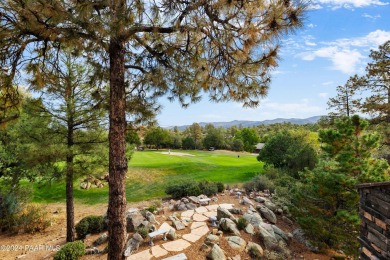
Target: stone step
181, 256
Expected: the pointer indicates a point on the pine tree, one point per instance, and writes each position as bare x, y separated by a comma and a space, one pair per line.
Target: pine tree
178, 48
345, 103
66, 91
326, 202
377, 84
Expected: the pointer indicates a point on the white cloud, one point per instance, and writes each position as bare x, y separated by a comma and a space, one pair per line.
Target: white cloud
328, 83
323, 95
372, 17
314, 7
349, 3
347, 54
310, 25
279, 72
309, 43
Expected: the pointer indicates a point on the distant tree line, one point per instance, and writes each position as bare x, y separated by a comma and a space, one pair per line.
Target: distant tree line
234, 138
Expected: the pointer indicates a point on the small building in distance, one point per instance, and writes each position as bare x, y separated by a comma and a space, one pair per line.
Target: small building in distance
258, 147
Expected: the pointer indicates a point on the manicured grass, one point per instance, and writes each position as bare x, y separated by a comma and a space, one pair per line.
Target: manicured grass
151, 171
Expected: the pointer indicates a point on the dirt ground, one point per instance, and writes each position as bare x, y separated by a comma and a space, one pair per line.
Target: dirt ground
44, 245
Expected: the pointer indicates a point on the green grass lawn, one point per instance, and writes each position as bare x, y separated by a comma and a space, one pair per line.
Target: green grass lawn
151, 171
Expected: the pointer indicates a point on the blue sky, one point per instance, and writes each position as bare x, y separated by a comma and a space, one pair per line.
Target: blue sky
333, 45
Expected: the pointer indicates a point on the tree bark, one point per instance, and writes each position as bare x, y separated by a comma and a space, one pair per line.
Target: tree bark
70, 229
70, 236
117, 153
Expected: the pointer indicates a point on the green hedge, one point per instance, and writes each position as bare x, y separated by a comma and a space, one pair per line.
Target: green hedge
71, 251
194, 188
90, 225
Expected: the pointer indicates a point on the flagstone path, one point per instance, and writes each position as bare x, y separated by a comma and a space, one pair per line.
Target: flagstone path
199, 228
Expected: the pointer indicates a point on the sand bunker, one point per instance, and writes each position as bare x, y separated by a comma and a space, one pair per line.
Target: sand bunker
178, 154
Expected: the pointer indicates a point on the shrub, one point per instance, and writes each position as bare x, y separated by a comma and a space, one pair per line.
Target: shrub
249, 186
10, 206
33, 218
272, 173
242, 223
90, 225
71, 251
143, 231
178, 191
193, 188
152, 208
220, 186
260, 183
17, 216
208, 188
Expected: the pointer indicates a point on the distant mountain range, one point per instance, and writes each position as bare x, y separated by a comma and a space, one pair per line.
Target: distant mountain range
246, 123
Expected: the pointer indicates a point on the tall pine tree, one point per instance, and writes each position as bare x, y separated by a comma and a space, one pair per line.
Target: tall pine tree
180, 48
67, 91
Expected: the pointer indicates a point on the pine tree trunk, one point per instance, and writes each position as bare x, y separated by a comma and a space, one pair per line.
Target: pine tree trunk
70, 229
70, 236
117, 153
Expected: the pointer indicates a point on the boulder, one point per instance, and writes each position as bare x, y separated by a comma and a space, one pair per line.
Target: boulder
171, 235
228, 225
178, 225
185, 200
101, 240
134, 219
280, 233
299, 235
204, 248
237, 243
150, 217
247, 201
180, 206
287, 221
211, 239
235, 211
268, 238
249, 229
270, 205
216, 253
251, 209
92, 251
85, 185
190, 206
267, 213
253, 218
133, 244
97, 182
260, 199
254, 250
173, 218
224, 213
194, 199
268, 227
